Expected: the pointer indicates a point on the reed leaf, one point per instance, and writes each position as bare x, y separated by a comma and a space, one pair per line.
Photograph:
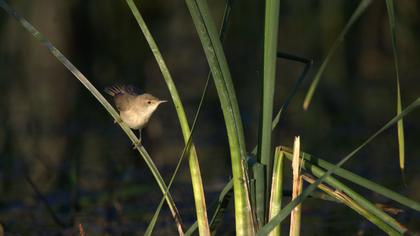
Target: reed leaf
259, 191
363, 202
289, 207
186, 149
271, 25
251, 161
276, 190
308, 64
356, 14
219, 208
212, 46
348, 201
197, 183
392, 26
352, 177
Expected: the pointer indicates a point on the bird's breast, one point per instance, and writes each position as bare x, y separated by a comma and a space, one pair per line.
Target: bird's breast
134, 119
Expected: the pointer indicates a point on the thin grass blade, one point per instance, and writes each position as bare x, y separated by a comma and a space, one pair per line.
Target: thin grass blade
392, 26
356, 14
152, 223
279, 115
197, 183
184, 151
308, 64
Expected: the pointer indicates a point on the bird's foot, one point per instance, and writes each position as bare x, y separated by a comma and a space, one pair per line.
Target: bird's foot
118, 120
137, 144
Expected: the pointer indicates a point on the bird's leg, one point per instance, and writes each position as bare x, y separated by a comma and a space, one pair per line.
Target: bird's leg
118, 120
136, 144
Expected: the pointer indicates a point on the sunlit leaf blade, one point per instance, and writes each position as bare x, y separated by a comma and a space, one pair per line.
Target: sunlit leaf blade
197, 183
392, 26
276, 189
359, 199
289, 207
350, 176
347, 200
356, 14
308, 64
228, 189
209, 37
219, 209
152, 223
184, 152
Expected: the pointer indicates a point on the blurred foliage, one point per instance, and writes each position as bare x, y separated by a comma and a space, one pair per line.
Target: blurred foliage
53, 132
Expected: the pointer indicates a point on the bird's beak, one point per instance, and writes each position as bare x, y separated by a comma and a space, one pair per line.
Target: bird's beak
162, 101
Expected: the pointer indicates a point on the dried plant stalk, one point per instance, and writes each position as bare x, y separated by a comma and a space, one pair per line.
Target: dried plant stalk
297, 190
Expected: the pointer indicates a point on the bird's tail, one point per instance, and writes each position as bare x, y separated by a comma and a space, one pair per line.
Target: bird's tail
118, 89
114, 90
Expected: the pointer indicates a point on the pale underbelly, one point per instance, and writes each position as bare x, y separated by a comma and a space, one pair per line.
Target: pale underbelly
134, 120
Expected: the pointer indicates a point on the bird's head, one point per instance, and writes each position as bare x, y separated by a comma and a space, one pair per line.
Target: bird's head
150, 102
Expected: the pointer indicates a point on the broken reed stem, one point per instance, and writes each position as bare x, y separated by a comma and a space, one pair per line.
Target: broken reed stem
297, 189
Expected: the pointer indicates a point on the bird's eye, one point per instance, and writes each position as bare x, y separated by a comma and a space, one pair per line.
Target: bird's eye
149, 102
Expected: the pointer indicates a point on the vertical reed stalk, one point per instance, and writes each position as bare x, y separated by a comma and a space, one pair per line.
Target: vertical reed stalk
297, 190
271, 24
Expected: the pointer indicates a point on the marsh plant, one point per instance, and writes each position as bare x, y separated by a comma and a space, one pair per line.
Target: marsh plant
256, 187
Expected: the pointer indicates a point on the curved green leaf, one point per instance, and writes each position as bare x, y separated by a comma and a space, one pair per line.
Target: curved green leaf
197, 183
357, 13
213, 49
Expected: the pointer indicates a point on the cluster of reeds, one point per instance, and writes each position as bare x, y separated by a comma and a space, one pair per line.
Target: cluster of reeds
257, 176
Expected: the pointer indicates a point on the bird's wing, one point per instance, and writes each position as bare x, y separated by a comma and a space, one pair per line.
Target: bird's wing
124, 101
123, 95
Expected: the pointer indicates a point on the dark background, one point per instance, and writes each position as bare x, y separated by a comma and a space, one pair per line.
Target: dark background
54, 134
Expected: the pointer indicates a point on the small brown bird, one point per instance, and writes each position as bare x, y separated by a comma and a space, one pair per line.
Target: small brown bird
135, 109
